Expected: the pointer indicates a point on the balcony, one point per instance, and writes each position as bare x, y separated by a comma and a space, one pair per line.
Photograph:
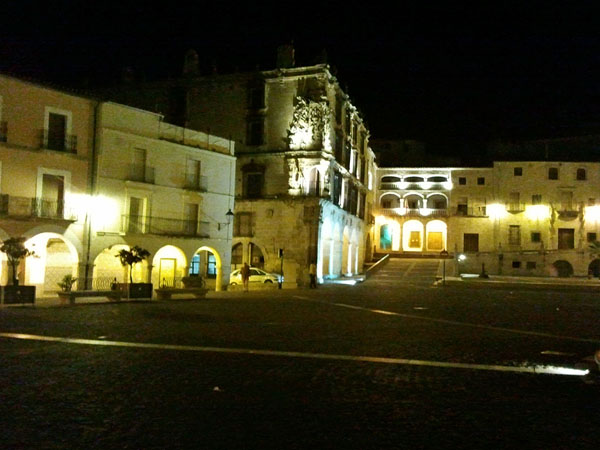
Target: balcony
515, 207
196, 183
141, 174
473, 211
413, 212
3, 131
34, 208
61, 142
163, 226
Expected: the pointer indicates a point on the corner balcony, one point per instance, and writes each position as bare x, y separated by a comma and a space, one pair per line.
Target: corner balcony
163, 226
27, 208
413, 212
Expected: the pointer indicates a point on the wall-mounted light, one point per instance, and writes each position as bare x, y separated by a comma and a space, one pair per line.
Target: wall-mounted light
228, 217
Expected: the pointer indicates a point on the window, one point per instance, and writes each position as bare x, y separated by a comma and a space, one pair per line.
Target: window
137, 207
592, 237
256, 98
536, 199
190, 213
242, 224
516, 264
514, 235
581, 174
57, 134
531, 265
255, 132
591, 201
553, 173
471, 242
193, 177
480, 181
462, 181
566, 238
518, 171
566, 200
254, 184
536, 236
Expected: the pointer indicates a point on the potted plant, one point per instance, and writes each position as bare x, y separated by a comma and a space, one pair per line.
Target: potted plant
67, 283
130, 258
15, 251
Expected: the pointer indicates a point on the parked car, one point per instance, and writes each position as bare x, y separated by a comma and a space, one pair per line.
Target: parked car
256, 276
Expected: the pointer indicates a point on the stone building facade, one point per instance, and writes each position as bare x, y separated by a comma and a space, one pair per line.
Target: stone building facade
46, 142
304, 173
165, 189
516, 217
81, 179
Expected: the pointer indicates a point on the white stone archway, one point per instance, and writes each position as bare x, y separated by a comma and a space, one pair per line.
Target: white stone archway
169, 265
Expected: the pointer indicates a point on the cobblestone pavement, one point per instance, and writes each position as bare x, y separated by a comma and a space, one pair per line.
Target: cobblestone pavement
58, 395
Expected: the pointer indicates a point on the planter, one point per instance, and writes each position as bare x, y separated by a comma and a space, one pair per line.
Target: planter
10, 295
137, 290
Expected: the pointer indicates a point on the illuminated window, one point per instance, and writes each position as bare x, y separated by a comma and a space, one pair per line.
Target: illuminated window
536, 236
518, 171
514, 235
581, 174
553, 173
462, 181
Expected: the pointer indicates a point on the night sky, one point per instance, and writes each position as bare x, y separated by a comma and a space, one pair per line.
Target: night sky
452, 77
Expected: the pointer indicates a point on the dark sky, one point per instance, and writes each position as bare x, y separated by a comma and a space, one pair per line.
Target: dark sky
453, 74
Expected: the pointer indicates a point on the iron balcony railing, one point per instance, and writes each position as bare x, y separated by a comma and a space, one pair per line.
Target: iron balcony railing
141, 173
26, 207
196, 183
471, 211
59, 141
164, 226
3, 131
414, 212
514, 207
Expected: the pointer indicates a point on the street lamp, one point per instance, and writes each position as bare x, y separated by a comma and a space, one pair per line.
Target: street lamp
443, 255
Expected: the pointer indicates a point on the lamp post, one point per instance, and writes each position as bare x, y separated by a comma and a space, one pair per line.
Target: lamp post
443, 255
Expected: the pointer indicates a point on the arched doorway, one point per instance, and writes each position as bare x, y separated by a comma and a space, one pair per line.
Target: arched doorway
594, 268
206, 263
385, 237
563, 268
168, 267
108, 268
436, 235
237, 256
54, 258
257, 259
412, 233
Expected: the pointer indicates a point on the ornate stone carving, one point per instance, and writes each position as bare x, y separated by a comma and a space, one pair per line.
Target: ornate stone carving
311, 125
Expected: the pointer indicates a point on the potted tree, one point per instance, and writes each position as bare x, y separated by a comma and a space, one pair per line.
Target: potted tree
129, 258
15, 251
